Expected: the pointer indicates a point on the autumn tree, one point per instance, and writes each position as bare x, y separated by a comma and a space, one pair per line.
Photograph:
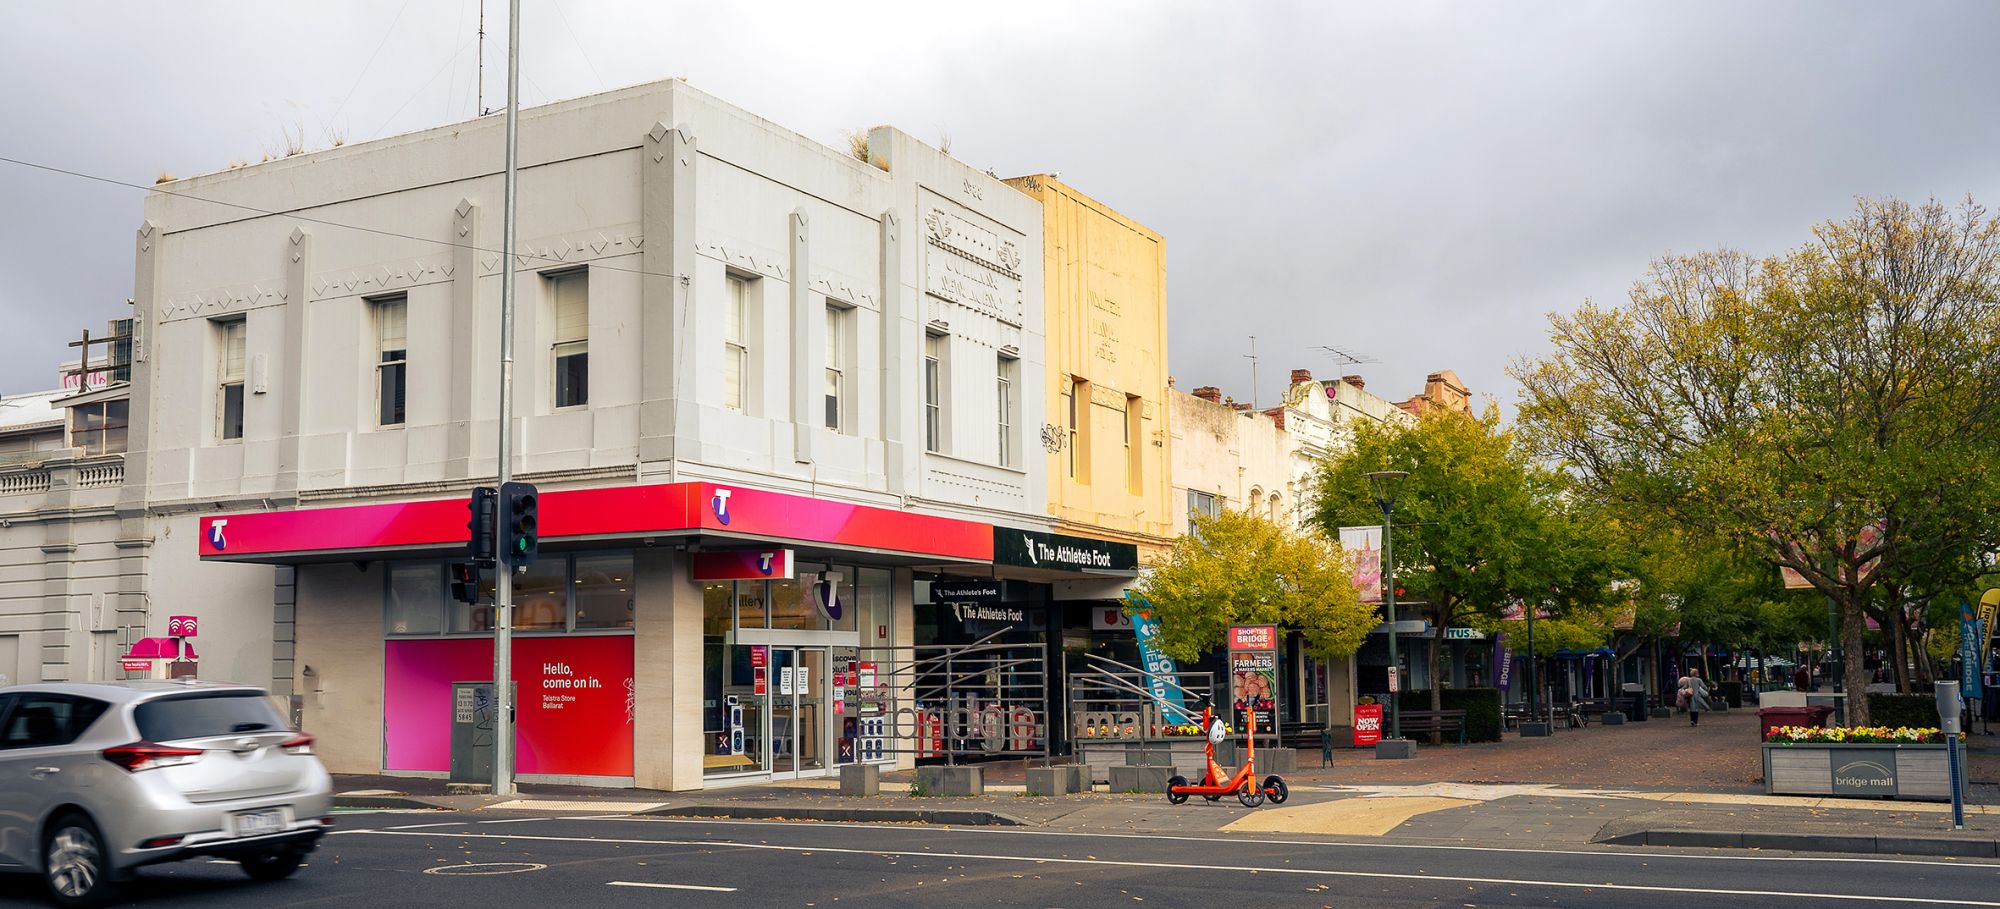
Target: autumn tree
1238, 568
1478, 527
1833, 410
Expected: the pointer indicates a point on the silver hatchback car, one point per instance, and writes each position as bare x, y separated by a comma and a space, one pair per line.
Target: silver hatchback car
100, 778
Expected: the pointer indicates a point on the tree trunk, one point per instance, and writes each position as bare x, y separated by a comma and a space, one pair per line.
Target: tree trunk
1899, 650
1854, 622
1437, 684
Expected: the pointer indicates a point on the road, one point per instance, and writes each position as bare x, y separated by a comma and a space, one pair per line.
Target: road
428, 859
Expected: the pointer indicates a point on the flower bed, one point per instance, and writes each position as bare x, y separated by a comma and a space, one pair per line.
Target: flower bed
1854, 735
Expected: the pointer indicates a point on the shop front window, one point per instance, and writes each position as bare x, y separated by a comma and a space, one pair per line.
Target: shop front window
789, 607
416, 599
592, 592
604, 586
873, 605
540, 601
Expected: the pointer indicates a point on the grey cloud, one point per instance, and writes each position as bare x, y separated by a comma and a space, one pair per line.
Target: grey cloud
1417, 182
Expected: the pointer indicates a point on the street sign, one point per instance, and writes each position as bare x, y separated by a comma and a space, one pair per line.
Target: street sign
181, 626
1395, 680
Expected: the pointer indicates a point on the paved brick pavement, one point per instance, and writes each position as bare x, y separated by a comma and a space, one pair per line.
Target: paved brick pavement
1720, 755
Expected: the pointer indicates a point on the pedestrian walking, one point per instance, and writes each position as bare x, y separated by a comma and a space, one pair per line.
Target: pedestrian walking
1693, 695
1802, 679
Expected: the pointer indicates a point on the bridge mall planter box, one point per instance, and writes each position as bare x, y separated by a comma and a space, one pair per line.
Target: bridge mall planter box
1918, 772
1186, 756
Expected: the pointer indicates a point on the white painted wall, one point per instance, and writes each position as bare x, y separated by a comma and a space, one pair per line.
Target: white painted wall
659, 192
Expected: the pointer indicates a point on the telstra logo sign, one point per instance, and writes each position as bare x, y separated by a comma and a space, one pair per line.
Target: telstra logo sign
719, 502
215, 537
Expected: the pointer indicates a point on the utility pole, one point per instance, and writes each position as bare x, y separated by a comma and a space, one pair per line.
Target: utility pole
503, 572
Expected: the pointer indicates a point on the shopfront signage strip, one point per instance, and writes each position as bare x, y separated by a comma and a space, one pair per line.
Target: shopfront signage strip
616, 510
1061, 552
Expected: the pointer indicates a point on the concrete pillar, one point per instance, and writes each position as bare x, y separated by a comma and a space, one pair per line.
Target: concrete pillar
138, 433
463, 359
808, 341
284, 629
666, 216
338, 635
667, 740
903, 635
898, 353
292, 360
64, 637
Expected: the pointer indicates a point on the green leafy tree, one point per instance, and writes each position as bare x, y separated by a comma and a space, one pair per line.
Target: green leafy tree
1830, 410
1237, 568
1477, 526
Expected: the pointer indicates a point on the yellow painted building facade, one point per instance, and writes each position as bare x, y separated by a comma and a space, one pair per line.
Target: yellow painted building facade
1105, 425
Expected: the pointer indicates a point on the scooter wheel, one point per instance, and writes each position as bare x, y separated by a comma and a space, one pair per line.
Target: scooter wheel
1250, 795
1275, 788
1174, 795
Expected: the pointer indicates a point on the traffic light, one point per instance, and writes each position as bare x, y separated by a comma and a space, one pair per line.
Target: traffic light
481, 508
464, 582
519, 536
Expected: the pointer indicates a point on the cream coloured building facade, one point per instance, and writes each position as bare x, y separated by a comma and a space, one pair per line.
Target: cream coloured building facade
732, 343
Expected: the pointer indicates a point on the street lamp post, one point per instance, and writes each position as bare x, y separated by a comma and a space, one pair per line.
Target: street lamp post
1384, 484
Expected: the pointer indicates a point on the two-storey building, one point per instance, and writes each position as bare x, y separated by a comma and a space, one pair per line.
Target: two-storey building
760, 383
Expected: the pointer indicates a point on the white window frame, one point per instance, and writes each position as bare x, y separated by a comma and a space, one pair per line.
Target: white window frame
1003, 381
935, 354
574, 342
835, 392
736, 344
380, 310
228, 375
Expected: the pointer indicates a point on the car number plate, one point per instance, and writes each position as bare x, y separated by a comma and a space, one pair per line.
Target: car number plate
259, 823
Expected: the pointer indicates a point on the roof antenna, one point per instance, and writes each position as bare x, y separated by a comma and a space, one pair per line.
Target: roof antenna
482, 59
1345, 357
1253, 371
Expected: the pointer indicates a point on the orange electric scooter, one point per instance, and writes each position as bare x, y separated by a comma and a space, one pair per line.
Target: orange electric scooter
1218, 782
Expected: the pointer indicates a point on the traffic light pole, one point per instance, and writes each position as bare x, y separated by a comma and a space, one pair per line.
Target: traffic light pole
503, 571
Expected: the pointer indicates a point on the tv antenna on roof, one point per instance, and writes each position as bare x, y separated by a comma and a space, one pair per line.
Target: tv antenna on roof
1344, 356
1253, 371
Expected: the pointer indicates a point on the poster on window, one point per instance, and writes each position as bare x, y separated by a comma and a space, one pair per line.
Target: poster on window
1253, 688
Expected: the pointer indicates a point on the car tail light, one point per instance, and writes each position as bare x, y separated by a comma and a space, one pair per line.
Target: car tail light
146, 756
300, 744
161, 841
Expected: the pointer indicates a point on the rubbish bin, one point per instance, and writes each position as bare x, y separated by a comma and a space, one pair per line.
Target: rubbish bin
1774, 717
1635, 706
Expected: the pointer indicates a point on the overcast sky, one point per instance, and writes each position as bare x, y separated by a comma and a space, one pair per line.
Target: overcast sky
1416, 183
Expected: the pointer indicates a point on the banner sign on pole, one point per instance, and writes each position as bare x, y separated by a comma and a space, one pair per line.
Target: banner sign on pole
1159, 667
1364, 546
1989, 609
1503, 662
1969, 676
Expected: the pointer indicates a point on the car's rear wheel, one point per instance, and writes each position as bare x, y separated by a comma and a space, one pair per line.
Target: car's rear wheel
75, 866
275, 865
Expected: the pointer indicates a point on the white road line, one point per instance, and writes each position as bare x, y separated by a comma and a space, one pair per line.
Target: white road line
427, 826
673, 886
1229, 869
1609, 852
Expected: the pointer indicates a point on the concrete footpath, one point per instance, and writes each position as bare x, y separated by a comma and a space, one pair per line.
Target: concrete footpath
1516, 815
1662, 783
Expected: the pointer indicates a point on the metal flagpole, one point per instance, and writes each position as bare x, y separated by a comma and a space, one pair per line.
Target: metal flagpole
503, 581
